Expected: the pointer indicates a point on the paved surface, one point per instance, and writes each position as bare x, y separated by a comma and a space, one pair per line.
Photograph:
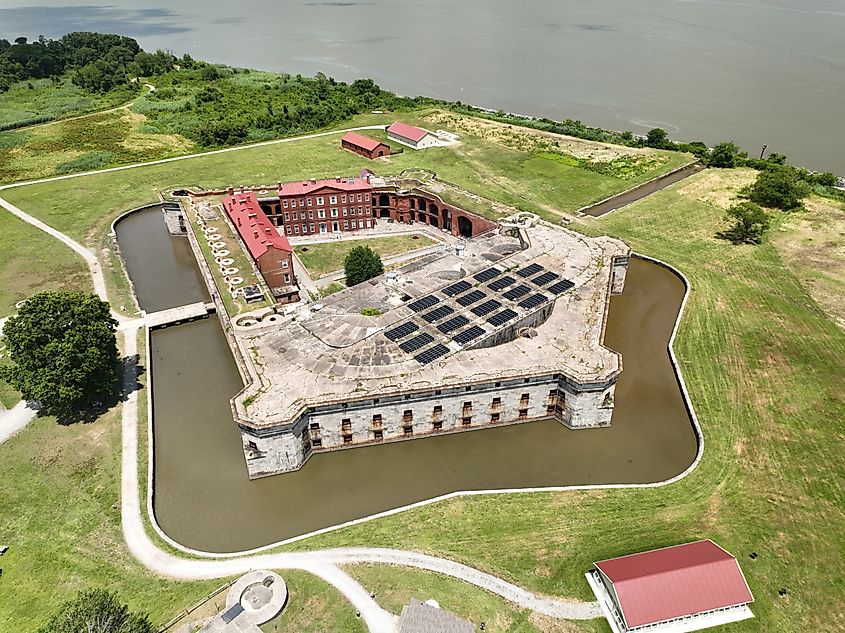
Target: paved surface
14, 419
323, 563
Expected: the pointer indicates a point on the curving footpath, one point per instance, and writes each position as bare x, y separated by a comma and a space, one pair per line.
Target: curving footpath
322, 563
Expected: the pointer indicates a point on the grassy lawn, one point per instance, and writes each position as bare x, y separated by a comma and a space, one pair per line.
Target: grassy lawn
395, 586
321, 259
31, 261
764, 367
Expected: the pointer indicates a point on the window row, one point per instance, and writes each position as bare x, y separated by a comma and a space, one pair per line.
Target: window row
321, 200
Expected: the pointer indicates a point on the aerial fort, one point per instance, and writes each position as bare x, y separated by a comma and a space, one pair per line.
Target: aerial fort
503, 324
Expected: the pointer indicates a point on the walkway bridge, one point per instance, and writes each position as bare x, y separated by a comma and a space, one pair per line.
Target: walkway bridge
181, 314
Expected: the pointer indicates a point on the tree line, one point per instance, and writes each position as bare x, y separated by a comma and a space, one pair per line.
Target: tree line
97, 62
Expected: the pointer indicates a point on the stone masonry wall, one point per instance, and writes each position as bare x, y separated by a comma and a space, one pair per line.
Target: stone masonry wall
402, 417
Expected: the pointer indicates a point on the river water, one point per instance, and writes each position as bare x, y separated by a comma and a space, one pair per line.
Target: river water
204, 499
756, 71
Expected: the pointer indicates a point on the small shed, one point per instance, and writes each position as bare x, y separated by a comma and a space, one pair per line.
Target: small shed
412, 136
418, 617
364, 145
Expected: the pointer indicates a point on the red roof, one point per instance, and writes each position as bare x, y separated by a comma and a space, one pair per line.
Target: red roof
310, 186
256, 231
675, 581
407, 131
362, 141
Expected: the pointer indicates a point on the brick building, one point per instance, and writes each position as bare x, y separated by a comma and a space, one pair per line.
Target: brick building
270, 251
339, 205
364, 145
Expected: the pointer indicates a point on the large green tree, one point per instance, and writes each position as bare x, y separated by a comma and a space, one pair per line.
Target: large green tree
97, 611
725, 155
780, 187
63, 353
750, 222
362, 263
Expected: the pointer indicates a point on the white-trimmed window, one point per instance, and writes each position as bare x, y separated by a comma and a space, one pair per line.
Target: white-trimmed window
310, 202
344, 211
343, 198
346, 224
311, 216
359, 197
287, 278
312, 228
320, 201
284, 263
302, 202
287, 216
354, 224
296, 229
334, 213
367, 197
332, 200
285, 204
295, 216
321, 213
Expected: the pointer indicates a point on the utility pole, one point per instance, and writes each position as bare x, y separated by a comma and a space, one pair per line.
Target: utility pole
763, 151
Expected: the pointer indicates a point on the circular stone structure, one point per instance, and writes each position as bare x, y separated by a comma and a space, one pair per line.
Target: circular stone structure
262, 594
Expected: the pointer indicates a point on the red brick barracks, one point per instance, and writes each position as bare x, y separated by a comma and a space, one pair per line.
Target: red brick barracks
315, 207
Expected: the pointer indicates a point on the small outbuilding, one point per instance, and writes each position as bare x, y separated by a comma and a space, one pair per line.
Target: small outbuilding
672, 590
364, 145
411, 136
420, 617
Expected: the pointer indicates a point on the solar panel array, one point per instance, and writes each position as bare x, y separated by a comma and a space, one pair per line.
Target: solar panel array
533, 301
546, 278
487, 275
457, 288
531, 269
470, 334
501, 283
453, 324
471, 297
500, 318
437, 314
421, 304
515, 293
401, 331
508, 286
560, 287
431, 354
487, 307
413, 344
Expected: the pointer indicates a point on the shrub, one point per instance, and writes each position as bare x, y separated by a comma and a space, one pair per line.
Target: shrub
362, 263
87, 162
779, 187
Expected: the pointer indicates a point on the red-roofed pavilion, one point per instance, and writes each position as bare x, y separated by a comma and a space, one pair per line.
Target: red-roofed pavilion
675, 589
364, 145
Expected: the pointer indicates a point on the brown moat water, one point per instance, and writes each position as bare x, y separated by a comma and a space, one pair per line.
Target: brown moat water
204, 500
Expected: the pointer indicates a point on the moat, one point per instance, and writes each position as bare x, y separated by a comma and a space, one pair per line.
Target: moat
204, 500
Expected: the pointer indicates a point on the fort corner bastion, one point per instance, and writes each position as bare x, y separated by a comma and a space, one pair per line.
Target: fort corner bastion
503, 328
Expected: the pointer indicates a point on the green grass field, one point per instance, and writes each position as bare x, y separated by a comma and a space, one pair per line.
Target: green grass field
45, 98
322, 259
395, 586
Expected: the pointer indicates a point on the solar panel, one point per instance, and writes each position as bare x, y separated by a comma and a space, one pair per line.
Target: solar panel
533, 301
515, 293
500, 318
531, 269
470, 334
437, 314
453, 324
431, 354
413, 344
502, 283
401, 331
471, 297
456, 289
560, 287
487, 275
487, 307
422, 304
546, 278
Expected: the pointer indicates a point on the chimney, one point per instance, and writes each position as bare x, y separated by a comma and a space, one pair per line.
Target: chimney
230, 190
280, 185
313, 181
337, 178
242, 188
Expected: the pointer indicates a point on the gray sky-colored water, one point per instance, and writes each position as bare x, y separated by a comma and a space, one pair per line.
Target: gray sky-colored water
756, 71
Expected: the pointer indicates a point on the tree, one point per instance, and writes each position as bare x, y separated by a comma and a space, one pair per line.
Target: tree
750, 223
97, 611
362, 263
657, 137
64, 353
780, 187
724, 155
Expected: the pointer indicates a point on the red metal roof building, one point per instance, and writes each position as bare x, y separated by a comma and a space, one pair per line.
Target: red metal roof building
270, 251
680, 588
411, 136
364, 145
